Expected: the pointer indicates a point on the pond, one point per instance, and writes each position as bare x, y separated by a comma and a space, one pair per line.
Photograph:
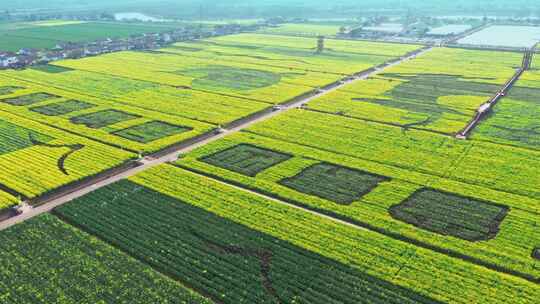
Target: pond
505, 35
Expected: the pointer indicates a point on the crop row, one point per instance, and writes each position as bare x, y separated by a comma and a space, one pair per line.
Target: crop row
241, 248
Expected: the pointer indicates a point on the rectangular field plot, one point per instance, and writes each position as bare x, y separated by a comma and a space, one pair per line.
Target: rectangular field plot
151, 131
27, 100
451, 214
62, 108
335, 183
268, 84
102, 119
45, 260
439, 90
246, 159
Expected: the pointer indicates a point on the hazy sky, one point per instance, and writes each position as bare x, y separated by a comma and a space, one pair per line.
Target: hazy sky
276, 7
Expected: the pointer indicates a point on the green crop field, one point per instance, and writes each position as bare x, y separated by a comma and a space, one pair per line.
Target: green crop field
38, 35
339, 57
438, 91
51, 262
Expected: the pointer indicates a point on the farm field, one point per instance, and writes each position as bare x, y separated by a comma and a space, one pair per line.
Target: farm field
361, 195
339, 57
514, 119
365, 191
50, 261
275, 251
180, 102
263, 78
14, 37
268, 84
36, 159
98, 117
420, 151
439, 91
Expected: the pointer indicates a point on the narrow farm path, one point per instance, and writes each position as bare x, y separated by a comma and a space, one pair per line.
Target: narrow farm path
172, 154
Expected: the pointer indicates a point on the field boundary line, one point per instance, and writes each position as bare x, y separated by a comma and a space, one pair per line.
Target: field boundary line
342, 219
75, 190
